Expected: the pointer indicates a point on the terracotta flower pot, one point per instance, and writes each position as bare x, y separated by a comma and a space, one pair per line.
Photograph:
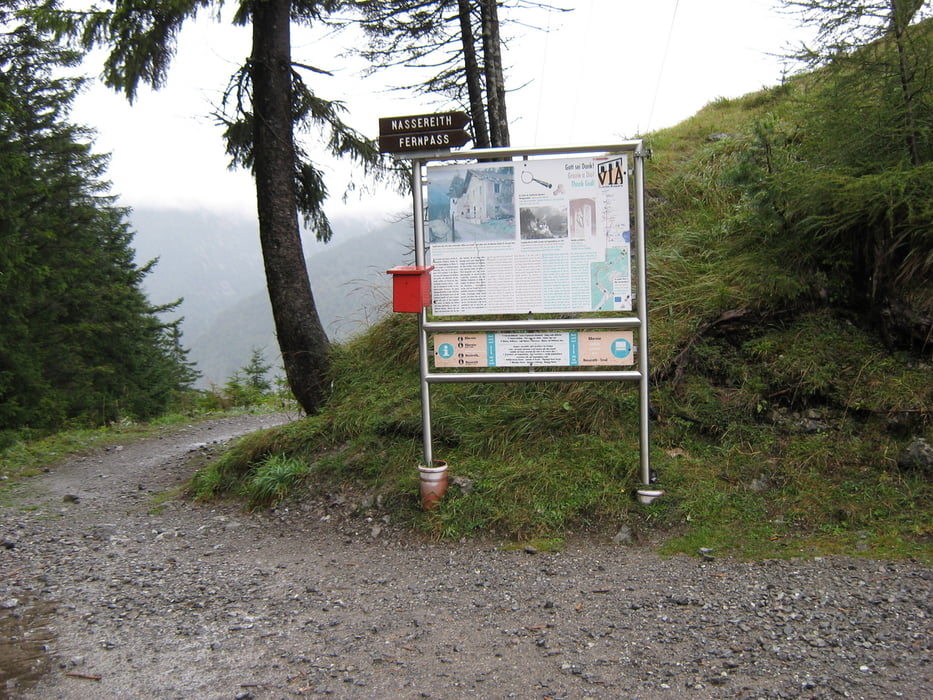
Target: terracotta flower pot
433, 484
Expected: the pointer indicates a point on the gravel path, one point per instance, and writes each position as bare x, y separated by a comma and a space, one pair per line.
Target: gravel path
101, 596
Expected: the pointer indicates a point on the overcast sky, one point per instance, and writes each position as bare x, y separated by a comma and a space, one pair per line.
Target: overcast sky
608, 71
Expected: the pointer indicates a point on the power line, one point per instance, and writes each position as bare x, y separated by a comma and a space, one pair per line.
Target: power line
584, 69
547, 38
667, 47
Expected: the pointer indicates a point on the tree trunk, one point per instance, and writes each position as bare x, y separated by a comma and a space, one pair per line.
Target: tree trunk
902, 11
473, 76
495, 81
301, 337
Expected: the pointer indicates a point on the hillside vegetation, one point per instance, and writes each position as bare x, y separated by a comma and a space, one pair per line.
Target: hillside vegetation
789, 250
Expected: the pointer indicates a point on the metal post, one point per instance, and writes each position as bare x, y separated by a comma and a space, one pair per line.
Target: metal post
418, 215
641, 305
425, 392
417, 194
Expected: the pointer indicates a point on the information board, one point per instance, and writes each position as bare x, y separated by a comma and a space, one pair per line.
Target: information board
532, 236
534, 349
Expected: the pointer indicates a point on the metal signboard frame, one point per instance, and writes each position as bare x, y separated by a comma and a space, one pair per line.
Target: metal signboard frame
637, 321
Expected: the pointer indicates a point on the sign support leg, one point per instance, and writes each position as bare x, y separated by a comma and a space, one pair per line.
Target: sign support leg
425, 393
418, 216
641, 303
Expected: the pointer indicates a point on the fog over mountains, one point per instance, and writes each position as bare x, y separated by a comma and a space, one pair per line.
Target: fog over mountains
215, 264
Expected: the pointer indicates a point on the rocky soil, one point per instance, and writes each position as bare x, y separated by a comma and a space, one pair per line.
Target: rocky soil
104, 595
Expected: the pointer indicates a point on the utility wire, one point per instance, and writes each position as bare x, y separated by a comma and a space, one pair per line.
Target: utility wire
667, 47
584, 69
541, 85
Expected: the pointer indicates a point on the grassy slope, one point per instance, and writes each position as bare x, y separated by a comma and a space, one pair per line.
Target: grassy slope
778, 423
785, 418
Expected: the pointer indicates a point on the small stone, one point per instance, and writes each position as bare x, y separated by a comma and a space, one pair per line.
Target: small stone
917, 457
70, 498
624, 536
811, 426
465, 484
104, 531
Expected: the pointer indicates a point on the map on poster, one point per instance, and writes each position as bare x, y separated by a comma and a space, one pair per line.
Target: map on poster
531, 236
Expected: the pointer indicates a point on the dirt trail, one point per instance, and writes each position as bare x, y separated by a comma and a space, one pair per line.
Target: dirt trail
101, 596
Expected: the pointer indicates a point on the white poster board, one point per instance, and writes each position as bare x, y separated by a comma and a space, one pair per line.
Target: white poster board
532, 236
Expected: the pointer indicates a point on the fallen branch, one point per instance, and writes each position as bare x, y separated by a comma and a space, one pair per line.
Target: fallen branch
84, 676
681, 360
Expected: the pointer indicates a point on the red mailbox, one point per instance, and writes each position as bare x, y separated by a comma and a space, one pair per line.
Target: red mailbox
411, 287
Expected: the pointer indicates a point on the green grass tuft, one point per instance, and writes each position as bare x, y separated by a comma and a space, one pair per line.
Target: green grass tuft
273, 479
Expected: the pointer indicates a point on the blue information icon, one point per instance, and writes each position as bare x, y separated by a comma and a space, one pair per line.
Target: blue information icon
621, 347
445, 350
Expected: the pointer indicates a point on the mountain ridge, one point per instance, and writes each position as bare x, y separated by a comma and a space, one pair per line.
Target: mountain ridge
213, 262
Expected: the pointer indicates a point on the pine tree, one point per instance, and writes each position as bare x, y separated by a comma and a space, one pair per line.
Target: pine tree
255, 372
876, 46
459, 40
847, 187
79, 341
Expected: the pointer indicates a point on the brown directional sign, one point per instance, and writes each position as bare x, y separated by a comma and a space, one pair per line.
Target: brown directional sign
422, 123
423, 132
402, 143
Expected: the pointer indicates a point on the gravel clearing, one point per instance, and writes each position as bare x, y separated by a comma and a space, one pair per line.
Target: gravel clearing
104, 596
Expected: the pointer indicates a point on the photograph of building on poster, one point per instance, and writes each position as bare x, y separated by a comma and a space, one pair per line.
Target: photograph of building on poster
533, 236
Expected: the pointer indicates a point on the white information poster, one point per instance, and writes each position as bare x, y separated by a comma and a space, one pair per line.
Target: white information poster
532, 236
